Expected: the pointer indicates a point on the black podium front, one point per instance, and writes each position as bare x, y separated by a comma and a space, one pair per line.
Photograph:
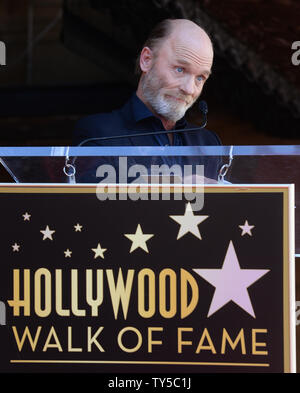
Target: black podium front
190, 275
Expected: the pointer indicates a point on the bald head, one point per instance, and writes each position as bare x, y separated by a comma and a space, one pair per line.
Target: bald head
183, 30
175, 62
189, 43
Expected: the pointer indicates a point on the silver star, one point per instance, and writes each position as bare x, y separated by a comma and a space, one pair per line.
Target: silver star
188, 222
99, 252
16, 247
246, 229
67, 253
78, 227
47, 233
231, 282
138, 239
26, 216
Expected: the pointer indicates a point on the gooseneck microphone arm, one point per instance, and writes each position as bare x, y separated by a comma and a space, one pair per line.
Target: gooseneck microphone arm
202, 107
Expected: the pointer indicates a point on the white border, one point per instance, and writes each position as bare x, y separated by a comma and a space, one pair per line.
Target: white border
292, 276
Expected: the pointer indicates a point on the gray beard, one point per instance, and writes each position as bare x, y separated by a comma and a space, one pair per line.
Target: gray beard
167, 109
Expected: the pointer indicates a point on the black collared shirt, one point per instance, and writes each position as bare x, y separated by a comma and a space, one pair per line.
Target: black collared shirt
145, 117
135, 118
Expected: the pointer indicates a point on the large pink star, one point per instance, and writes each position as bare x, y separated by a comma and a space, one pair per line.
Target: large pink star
231, 282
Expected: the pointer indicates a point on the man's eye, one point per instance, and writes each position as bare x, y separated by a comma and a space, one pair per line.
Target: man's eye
179, 69
200, 78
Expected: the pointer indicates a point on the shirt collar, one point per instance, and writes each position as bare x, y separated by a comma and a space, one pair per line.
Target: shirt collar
139, 109
141, 112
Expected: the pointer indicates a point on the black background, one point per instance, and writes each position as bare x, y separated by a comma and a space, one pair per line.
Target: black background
107, 222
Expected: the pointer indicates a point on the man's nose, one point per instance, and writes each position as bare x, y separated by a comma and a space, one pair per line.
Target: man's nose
188, 86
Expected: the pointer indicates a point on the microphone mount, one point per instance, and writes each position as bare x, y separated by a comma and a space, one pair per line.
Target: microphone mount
202, 107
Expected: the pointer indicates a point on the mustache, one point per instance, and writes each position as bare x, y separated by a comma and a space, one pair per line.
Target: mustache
181, 97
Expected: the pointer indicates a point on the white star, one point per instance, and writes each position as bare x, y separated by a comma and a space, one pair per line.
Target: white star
77, 227
231, 283
47, 233
26, 216
67, 253
16, 247
138, 239
246, 228
99, 252
188, 222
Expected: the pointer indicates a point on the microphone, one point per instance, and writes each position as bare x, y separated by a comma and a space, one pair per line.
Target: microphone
202, 106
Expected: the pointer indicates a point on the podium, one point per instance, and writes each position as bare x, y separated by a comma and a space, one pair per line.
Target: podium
149, 260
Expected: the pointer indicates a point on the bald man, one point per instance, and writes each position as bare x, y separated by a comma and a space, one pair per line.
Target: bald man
173, 66
174, 71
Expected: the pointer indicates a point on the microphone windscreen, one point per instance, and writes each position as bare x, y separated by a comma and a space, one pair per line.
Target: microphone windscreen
203, 107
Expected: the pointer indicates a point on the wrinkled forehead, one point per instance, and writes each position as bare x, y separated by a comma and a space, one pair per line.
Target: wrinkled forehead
191, 49
198, 55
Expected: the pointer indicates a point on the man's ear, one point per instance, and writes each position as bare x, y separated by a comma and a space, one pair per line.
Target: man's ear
146, 59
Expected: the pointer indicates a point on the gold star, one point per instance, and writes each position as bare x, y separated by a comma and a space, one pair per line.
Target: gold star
138, 239
67, 253
99, 251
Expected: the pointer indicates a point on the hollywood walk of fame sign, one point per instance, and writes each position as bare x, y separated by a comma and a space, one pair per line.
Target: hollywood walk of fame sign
138, 285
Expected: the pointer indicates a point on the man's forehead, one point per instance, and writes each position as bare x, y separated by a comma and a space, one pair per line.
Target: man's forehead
197, 43
188, 52
187, 30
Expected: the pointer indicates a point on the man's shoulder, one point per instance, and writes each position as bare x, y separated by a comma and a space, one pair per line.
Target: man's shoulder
211, 137
98, 122
99, 125
201, 137
103, 124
